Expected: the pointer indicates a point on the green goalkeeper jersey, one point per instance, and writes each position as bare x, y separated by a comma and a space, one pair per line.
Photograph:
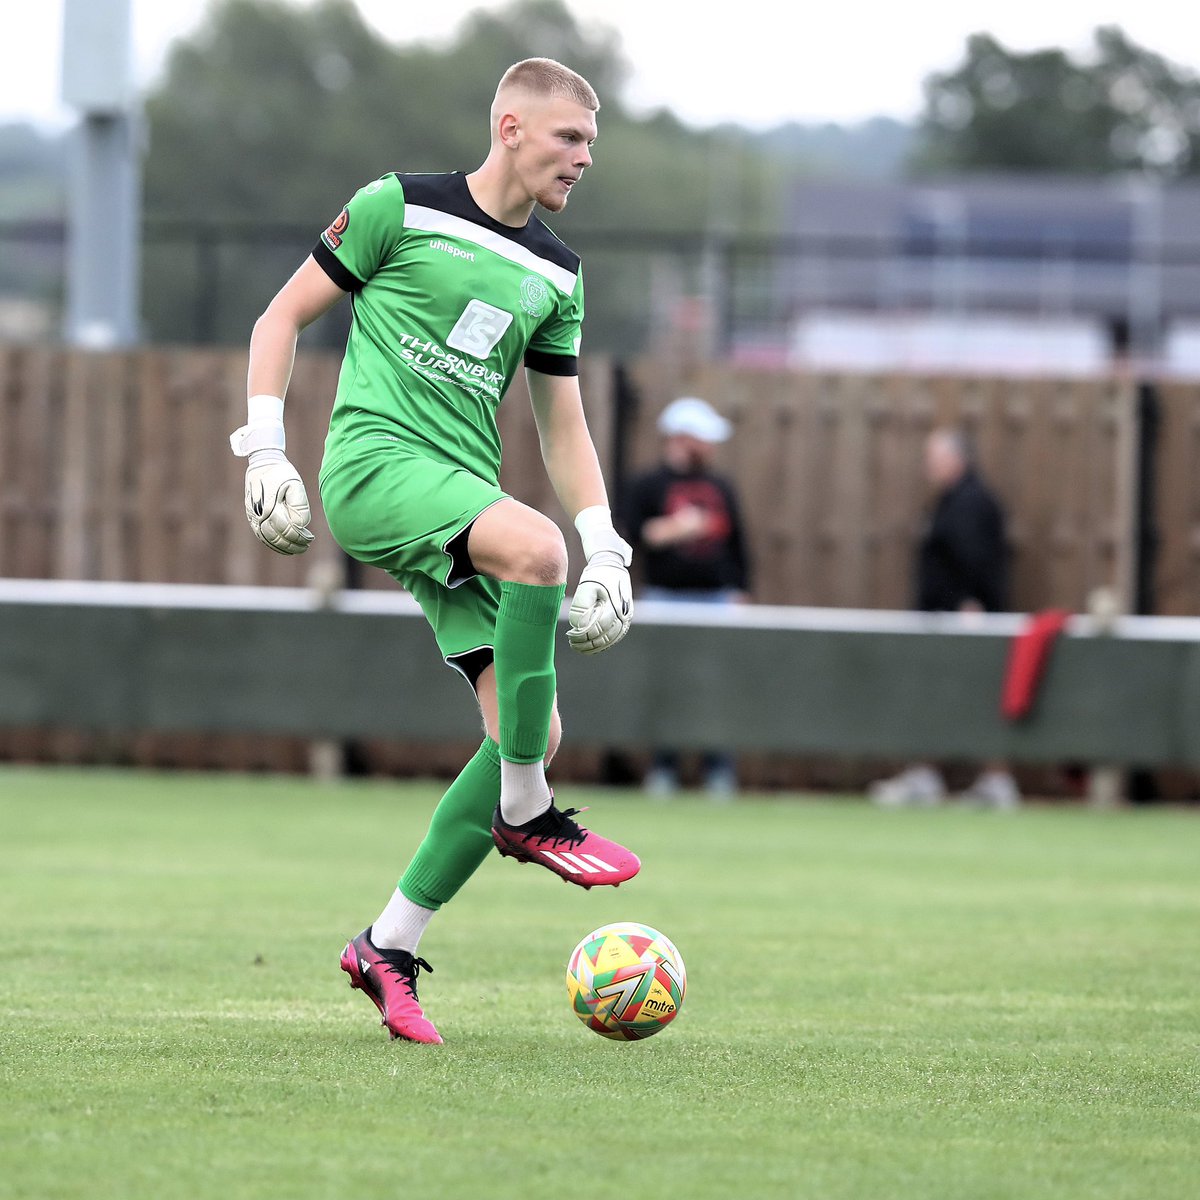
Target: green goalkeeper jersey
447, 303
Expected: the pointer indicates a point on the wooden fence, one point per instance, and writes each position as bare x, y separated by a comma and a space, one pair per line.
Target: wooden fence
116, 466
1177, 501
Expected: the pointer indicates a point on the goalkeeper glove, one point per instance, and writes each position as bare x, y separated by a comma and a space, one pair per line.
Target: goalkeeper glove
276, 502
602, 608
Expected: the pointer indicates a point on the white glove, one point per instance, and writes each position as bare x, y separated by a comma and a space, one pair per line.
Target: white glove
276, 502
602, 608
603, 605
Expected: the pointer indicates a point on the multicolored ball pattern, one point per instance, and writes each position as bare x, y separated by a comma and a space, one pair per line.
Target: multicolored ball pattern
626, 981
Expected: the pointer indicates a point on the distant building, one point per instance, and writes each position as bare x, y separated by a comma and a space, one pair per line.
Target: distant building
1004, 272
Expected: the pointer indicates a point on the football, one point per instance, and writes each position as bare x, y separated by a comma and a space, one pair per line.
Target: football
626, 981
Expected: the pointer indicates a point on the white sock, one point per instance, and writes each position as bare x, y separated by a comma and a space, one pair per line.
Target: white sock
400, 925
524, 792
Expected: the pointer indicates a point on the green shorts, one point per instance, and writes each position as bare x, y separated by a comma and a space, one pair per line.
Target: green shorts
409, 515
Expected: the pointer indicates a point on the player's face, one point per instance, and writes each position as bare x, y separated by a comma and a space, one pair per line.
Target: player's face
555, 150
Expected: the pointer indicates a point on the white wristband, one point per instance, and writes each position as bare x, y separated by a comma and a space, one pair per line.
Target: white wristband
266, 435
263, 429
262, 408
596, 532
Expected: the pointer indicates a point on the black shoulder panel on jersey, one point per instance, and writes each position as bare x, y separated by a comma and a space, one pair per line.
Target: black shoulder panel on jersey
449, 193
336, 269
551, 364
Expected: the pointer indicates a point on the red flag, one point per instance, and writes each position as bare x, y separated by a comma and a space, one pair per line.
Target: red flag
1028, 654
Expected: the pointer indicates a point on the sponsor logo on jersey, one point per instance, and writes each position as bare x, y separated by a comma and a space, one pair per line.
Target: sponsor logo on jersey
447, 248
332, 237
479, 328
534, 295
435, 362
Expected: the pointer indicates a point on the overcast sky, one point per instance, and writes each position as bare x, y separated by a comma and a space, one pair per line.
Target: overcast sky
839, 62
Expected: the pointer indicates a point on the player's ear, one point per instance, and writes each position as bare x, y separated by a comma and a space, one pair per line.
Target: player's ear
509, 129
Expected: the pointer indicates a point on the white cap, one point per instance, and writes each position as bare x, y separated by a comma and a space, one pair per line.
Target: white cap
695, 417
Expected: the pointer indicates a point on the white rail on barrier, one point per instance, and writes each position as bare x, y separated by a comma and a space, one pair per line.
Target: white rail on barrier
105, 594
648, 612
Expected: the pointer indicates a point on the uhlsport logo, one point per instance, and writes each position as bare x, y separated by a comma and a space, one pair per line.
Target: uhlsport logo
533, 295
454, 251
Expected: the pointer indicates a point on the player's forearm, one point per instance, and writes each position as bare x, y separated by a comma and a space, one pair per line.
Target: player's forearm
566, 443
272, 354
309, 293
575, 475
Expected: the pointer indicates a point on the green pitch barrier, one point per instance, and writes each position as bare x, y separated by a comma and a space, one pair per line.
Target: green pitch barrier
125, 657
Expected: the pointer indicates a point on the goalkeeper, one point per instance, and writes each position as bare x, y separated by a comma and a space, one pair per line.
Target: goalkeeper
457, 283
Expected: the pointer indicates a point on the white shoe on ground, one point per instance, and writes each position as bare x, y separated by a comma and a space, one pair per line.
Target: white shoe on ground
721, 784
917, 787
661, 783
993, 789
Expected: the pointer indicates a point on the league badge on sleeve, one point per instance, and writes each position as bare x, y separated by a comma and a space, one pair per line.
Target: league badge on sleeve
332, 237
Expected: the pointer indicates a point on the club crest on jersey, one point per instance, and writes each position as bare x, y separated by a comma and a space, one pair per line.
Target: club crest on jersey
533, 295
332, 237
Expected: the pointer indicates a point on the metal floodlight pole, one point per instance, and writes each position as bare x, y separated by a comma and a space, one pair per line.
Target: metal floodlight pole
1145, 277
102, 309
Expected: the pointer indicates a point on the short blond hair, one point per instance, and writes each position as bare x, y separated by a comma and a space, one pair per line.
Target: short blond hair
545, 77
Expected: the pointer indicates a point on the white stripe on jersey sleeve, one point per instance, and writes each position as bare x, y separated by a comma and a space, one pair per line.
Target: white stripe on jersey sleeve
432, 220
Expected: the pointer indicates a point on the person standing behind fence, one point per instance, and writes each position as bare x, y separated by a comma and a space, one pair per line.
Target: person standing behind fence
961, 566
685, 523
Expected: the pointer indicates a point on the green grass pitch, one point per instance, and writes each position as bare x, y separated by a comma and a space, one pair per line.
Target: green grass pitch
881, 1005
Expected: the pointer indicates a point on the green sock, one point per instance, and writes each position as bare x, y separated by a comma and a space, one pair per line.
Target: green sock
460, 832
525, 629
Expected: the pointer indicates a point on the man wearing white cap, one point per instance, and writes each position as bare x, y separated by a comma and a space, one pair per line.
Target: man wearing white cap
685, 523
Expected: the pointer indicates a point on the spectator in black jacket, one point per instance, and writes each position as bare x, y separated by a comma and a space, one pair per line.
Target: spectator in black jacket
962, 562
962, 566
685, 524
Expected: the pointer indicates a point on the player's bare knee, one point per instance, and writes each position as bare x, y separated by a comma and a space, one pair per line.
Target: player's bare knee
515, 543
544, 557
554, 565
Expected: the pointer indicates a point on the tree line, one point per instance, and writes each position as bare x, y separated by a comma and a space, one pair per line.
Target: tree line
273, 112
